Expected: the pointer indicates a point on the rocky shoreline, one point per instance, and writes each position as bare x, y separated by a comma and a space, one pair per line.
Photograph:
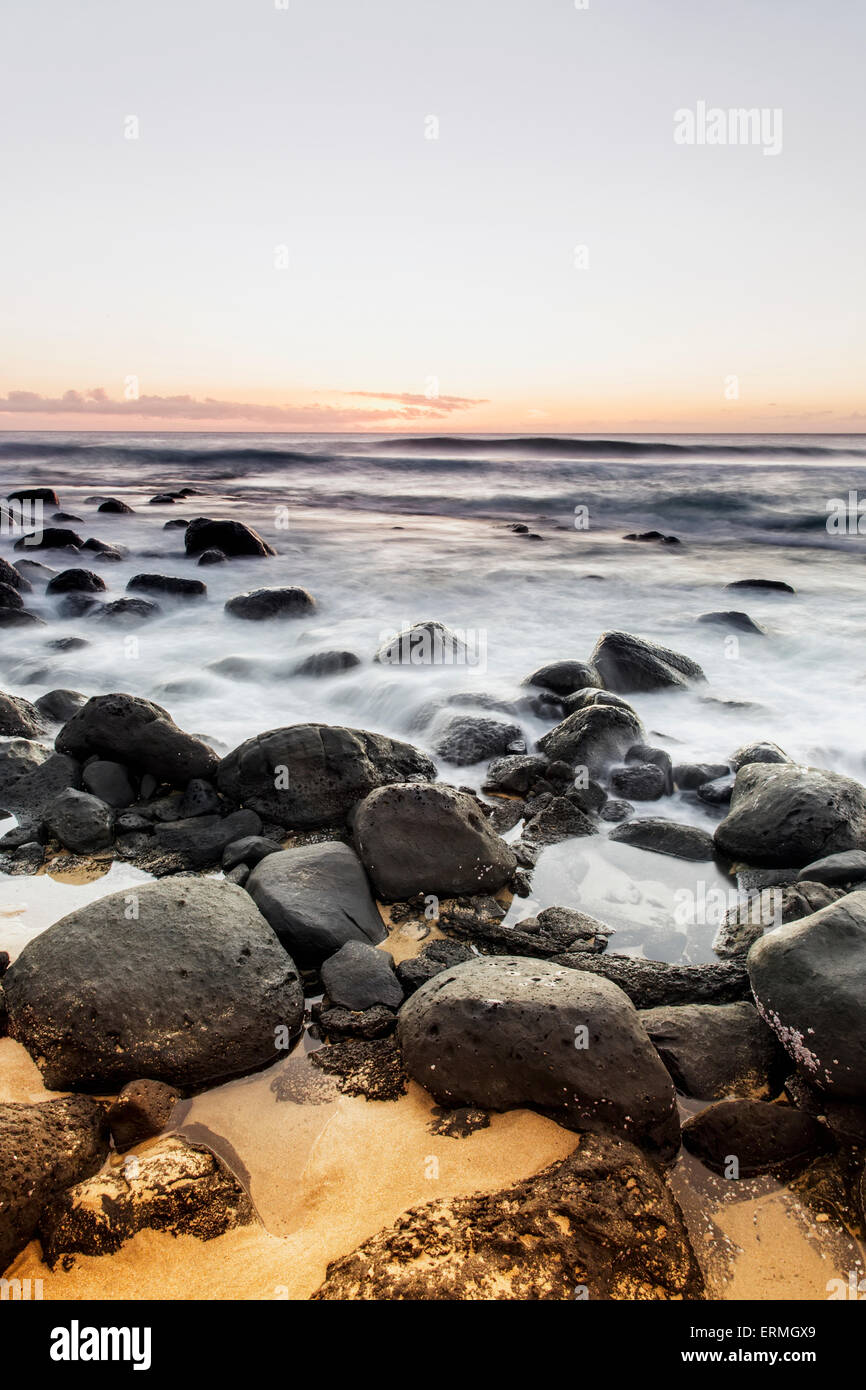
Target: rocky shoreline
279, 870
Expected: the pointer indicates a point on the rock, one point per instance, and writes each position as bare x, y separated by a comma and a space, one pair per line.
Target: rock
104, 550
115, 507
559, 820
581, 698
173, 1186
44, 1149
809, 983
776, 585
627, 663
783, 814
81, 822
716, 1050
757, 753
666, 837
29, 570
188, 992
68, 644
141, 1111
370, 1068
59, 705
602, 1221
643, 753
51, 538
12, 576
689, 776
759, 1137
469, 738
735, 621
261, 604
176, 523
249, 850
212, 557
479, 920
162, 499
110, 782
652, 983
616, 810
564, 677
200, 799
652, 536
592, 737
230, 537
717, 792
18, 718
76, 605
430, 961
28, 789
426, 644
367, 1024
515, 773
589, 797
10, 598
640, 781
34, 494
128, 610
427, 838
843, 869
327, 664
316, 898
505, 1033
310, 775
19, 617
200, 840
140, 734
75, 581
565, 927
167, 584
359, 976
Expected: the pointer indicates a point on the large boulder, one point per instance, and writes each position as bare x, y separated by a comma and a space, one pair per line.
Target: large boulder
316, 898
754, 1136
44, 1149
261, 604
229, 537
717, 1050
75, 581
503, 1032
601, 1224
426, 644
181, 981
199, 841
666, 837
785, 815
359, 977
28, 785
832, 869
310, 775
81, 822
138, 733
652, 983
809, 983
593, 737
416, 838
51, 538
627, 663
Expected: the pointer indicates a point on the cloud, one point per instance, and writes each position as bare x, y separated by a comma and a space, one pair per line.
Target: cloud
397, 407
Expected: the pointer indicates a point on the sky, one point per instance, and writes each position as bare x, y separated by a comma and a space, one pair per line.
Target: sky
468, 215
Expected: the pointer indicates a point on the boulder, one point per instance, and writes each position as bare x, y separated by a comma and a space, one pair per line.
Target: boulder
199, 841
212, 557
426, 644
652, 983
12, 576
128, 611
173, 1186
181, 981
601, 1224
774, 585
229, 537
809, 983
59, 705
470, 738
755, 1136
51, 538
666, 837
114, 507
34, 494
262, 604
718, 792
784, 814
359, 976
75, 581
167, 584
734, 621
19, 617
627, 663
249, 850
756, 753
44, 1149
18, 718
110, 781
428, 838
842, 869
316, 898
593, 737
327, 663
717, 1050
515, 773
141, 1111
138, 733
505, 1032
689, 776
310, 775
565, 677
200, 799
27, 787
639, 781
10, 597
81, 822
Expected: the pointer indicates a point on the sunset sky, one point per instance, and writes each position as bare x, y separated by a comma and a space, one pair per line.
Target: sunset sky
282, 247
